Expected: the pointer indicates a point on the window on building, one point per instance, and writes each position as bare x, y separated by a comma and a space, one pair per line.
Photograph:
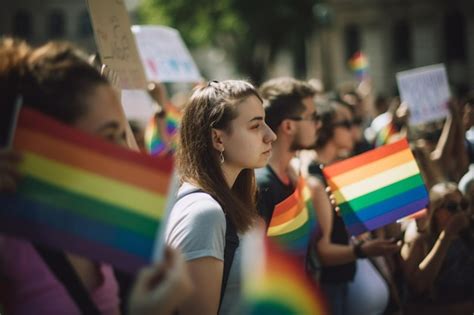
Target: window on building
85, 26
455, 36
352, 40
22, 24
56, 24
401, 42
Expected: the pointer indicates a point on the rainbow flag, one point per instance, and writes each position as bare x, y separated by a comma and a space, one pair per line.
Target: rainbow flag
161, 139
359, 65
274, 282
385, 135
84, 195
377, 187
294, 223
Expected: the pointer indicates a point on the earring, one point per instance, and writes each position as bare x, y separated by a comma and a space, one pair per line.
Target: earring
221, 156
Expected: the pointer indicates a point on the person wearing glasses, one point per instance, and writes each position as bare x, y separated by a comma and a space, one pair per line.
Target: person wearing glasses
439, 268
337, 256
291, 114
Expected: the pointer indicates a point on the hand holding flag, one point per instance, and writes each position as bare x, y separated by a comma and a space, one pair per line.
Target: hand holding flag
377, 187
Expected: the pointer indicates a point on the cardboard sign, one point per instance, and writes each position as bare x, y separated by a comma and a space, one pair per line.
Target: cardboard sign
137, 105
116, 43
426, 92
164, 54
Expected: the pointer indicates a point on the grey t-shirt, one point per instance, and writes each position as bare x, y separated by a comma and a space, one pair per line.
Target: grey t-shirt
197, 227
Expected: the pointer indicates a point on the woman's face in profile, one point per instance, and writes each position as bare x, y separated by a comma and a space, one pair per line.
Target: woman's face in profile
248, 141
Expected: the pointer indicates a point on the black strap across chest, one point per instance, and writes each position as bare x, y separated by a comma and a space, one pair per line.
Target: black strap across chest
62, 269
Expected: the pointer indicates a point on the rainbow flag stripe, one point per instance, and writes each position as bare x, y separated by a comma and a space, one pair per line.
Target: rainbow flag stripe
377, 187
281, 287
81, 194
161, 140
294, 223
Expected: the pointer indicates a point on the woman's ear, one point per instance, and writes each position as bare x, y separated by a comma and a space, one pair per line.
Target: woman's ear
217, 142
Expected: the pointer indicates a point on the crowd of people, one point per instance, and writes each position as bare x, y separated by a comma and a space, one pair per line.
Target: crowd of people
243, 151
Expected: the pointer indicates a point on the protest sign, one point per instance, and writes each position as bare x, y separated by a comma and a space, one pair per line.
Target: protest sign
164, 54
138, 105
426, 92
116, 43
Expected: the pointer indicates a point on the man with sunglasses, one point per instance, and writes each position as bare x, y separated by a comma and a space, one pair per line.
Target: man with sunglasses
291, 114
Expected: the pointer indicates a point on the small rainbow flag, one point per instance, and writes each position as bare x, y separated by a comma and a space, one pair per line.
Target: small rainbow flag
161, 136
274, 282
359, 65
294, 223
377, 187
385, 134
81, 194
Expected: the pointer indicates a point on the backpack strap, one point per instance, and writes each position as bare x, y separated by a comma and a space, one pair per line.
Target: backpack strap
125, 282
62, 269
231, 244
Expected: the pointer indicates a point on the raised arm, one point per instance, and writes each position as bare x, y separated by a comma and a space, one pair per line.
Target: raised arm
450, 150
421, 270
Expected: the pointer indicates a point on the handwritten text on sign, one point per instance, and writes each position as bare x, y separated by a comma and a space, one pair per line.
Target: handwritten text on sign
116, 43
164, 54
426, 92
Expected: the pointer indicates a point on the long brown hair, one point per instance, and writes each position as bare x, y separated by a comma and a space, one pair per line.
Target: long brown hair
215, 106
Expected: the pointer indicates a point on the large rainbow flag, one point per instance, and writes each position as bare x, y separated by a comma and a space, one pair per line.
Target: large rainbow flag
274, 282
293, 222
162, 139
81, 194
377, 187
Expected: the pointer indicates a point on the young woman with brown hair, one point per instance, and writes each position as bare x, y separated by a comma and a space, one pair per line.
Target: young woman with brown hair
223, 138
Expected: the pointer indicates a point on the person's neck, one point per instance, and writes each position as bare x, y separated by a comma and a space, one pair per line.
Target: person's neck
280, 160
230, 174
327, 154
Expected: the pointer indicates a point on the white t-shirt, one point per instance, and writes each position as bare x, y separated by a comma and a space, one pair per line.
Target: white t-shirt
368, 294
197, 226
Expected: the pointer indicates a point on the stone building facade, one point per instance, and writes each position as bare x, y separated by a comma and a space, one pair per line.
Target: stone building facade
395, 35
40, 21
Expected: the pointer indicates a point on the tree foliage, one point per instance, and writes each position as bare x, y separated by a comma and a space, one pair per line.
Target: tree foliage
252, 32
